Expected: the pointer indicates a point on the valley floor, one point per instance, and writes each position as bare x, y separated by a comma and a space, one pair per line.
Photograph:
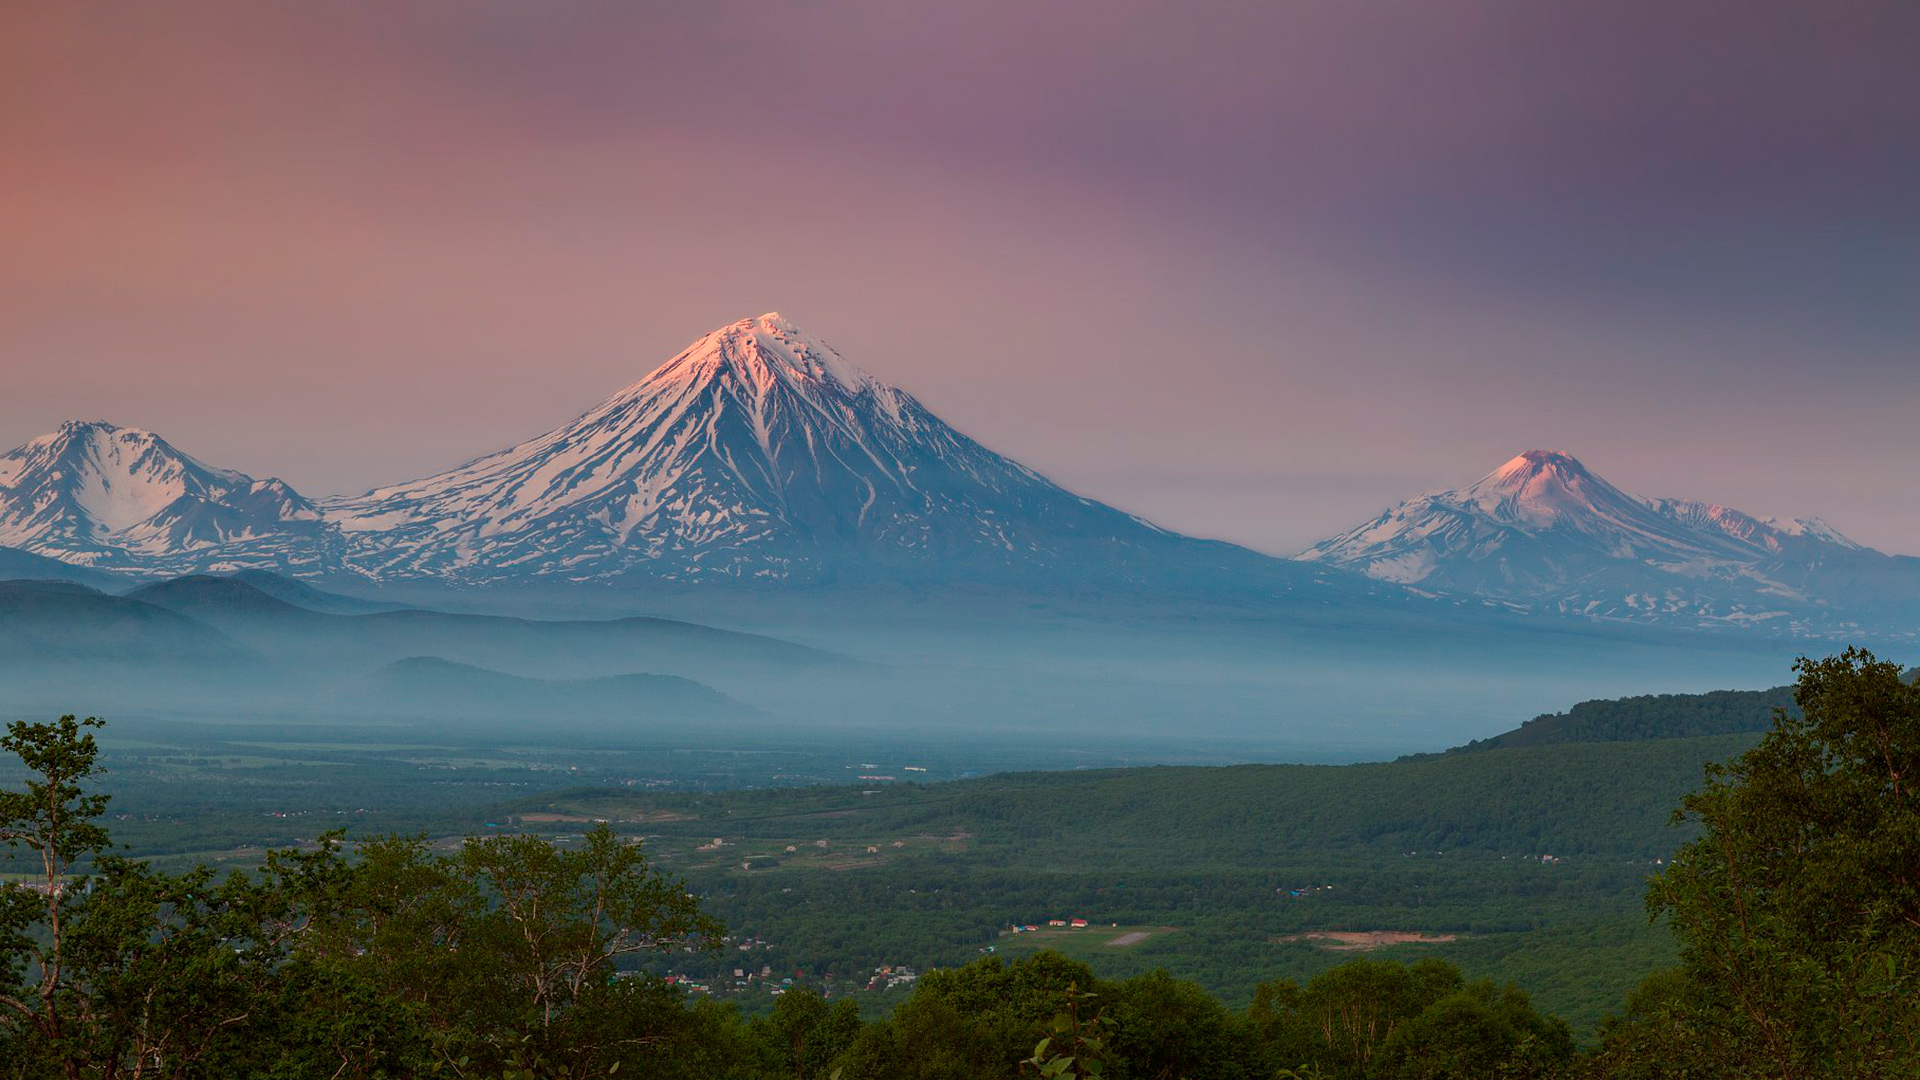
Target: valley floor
844, 864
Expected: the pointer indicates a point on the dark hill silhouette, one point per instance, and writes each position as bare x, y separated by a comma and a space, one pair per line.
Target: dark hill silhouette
17, 565
430, 686
323, 641
301, 594
60, 622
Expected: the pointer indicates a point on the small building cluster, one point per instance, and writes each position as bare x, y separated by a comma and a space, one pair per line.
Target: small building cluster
888, 976
1069, 924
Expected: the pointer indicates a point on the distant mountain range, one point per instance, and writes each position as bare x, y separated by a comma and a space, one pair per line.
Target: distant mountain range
316, 637
426, 686
1546, 533
45, 626
17, 565
253, 644
756, 454
760, 455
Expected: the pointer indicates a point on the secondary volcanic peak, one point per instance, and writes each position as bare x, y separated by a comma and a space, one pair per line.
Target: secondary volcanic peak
97, 494
760, 453
1544, 530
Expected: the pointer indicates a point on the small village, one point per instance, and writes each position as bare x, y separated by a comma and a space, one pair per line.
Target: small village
750, 977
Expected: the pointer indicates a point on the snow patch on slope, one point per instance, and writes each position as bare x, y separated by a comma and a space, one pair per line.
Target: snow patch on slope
757, 451
96, 494
1544, 530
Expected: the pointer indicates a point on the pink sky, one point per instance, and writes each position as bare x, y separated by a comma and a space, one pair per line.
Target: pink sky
1254, 271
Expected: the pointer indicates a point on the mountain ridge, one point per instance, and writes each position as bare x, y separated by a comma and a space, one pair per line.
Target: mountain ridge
117, 498
1546, 533
45, 626
759, 455
432, 686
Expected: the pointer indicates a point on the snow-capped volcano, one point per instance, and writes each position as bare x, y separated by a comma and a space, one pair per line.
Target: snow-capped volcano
1543, 530
95, 494
757, 452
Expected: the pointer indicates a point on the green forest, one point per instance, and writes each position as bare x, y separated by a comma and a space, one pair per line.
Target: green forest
1734, 904
1648, 716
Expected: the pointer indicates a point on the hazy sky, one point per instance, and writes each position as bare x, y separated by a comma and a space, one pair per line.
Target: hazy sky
1252, 269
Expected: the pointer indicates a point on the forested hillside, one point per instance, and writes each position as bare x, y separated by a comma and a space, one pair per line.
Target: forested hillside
1648, 716
1598, 800
1530, 862
560, 947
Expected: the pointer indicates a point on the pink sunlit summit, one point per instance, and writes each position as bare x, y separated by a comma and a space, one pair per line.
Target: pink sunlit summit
1545, 531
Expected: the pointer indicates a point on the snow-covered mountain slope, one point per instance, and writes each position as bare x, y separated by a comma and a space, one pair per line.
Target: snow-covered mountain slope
1545, 532
757, 453
92, 494
760, 454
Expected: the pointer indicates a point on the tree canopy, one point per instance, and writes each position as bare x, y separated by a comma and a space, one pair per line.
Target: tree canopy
1798, 906
1796, 903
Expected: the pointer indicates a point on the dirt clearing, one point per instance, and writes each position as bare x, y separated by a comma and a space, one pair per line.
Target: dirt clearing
1364, 940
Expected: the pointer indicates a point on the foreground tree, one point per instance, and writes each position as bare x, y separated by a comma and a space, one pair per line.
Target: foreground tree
53, 820
127, 971
805, 1033
1798, 907
1376, 1018
501, 961
509, 953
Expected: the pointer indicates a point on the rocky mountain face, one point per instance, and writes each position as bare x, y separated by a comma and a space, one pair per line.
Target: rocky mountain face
758, 452
1546, 533
92, 494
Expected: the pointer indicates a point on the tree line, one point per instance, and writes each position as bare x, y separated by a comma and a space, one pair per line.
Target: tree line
1796, 907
